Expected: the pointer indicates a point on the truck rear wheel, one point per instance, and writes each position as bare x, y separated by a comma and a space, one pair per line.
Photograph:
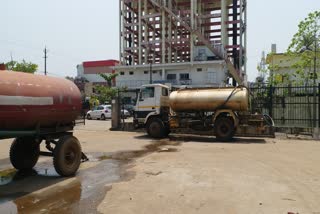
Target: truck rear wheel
224, 129
155, 128
67, 156
24, 153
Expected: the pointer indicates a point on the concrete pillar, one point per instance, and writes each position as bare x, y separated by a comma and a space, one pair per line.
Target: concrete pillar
170, 34
146, 32
163, 34
120, 34
192, 17
140, 31
245, 36
115, 115
224, 26
163, 74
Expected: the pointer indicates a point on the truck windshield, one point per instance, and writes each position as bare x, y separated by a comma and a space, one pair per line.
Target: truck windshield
147, 92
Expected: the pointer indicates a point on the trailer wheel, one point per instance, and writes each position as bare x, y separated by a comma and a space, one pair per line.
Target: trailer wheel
24, 153
224, 129
67, 156
155, 128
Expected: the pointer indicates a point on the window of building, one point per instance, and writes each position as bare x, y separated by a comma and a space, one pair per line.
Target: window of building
146, 72
212, 77
131, 73
154, 72
184, 76
147, 92
121, 73
171, 76
199, 69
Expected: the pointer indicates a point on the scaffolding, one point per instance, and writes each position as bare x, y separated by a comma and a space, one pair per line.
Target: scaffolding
170, 31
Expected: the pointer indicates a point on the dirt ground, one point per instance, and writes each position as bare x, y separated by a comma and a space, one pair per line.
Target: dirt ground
130, 173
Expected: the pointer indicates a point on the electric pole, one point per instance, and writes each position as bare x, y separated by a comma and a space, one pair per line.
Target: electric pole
45, 60
11, 61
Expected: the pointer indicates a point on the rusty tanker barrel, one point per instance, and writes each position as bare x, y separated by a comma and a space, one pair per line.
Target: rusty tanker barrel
236, 99
29, 101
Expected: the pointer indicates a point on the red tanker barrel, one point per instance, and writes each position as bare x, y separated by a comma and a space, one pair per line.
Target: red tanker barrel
28, 101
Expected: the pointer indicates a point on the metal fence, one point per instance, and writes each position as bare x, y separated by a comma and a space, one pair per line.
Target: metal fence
291, 107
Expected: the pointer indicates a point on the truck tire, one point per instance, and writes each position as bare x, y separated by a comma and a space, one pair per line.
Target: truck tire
24, 153
224, 129
67, 156
155, 128
166, 131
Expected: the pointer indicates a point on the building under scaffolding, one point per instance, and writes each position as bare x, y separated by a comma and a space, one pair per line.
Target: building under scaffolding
182, 42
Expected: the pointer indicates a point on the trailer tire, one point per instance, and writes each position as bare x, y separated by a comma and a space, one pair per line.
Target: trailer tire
155, 128
224, 129
67, 156
24, 153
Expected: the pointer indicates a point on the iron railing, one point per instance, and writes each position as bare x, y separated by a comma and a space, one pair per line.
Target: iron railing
289, 106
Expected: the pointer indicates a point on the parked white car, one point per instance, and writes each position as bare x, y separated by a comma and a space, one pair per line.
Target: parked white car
124, 113
101, 112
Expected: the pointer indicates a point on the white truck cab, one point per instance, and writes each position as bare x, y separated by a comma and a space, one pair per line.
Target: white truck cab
150, 100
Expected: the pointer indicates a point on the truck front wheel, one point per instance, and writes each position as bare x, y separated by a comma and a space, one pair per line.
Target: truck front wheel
155, 128
224, 129
24, 153
67, 156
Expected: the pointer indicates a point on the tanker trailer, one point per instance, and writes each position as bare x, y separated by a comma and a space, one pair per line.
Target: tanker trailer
222, 112
36, 109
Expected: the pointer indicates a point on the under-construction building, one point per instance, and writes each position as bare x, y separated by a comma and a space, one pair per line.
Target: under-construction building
182, 42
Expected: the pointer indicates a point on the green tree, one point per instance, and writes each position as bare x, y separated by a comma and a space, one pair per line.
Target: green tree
105, 94
304, 46
27, 67
108, 78
70, 78
307, 33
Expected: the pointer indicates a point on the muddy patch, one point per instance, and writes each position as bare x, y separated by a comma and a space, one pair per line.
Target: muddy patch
155, 146
80, 196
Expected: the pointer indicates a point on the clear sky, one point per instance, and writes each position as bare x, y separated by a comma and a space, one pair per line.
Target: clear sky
80, 30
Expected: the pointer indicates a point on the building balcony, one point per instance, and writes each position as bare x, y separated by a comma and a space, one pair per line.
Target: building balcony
131, 83
175, 82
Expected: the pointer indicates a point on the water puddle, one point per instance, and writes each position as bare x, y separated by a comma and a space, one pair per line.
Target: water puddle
51, 200
43, 191
6, 176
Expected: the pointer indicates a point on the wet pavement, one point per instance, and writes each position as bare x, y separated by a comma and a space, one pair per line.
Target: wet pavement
42, 190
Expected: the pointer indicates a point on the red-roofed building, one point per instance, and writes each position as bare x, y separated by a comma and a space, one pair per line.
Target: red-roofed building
90, 70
